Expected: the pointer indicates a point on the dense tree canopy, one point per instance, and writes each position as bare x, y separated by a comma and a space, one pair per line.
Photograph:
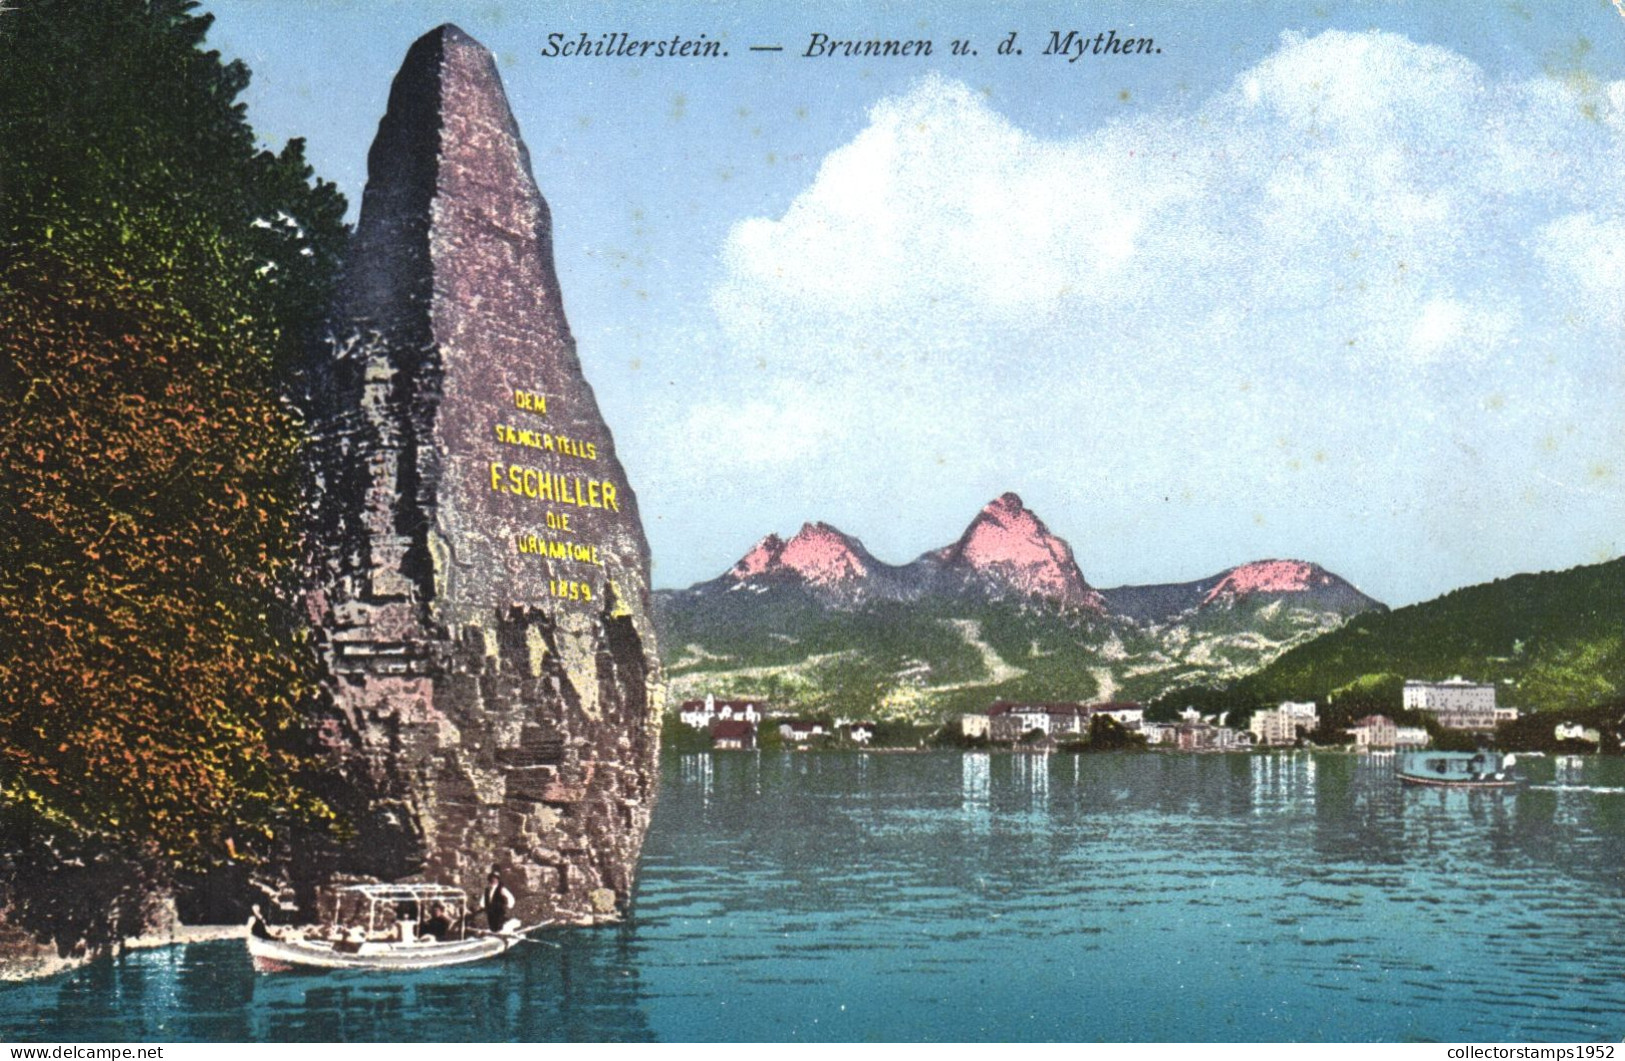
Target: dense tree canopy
160, 277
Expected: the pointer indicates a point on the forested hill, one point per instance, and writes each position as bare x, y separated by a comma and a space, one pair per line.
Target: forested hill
1551, 641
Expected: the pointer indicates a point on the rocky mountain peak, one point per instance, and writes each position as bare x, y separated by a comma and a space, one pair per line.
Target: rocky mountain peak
823, 555
1008, 544
761, 558
818, 554
1271, 576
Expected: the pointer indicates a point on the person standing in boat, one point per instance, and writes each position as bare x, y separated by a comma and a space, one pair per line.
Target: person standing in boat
498, 902
257, 926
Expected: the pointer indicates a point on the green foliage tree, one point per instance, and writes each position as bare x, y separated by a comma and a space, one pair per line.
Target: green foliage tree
678, 736
1538, 732
768, 737
1106, 734
159, 278
891, 733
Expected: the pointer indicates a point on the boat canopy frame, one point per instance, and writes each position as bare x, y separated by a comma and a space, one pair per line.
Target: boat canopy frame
418, 894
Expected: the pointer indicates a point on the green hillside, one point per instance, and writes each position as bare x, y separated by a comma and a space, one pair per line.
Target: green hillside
885, 660
934, 658
1552, 641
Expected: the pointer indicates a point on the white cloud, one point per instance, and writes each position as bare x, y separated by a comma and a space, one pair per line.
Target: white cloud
1449, 330
1362, 269
1358, 173
1586, 255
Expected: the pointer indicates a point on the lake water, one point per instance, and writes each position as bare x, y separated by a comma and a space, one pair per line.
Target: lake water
815, 896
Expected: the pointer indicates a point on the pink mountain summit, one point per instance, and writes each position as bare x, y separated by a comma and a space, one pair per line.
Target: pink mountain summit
1007, 551
1008, 545
1270, 576
819, 554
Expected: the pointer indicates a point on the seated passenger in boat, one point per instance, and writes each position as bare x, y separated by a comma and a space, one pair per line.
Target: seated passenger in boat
437, 927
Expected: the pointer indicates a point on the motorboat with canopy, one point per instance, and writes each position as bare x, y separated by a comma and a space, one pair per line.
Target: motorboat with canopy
380, 926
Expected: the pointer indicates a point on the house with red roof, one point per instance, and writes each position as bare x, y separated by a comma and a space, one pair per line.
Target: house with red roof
701, 713
733, 734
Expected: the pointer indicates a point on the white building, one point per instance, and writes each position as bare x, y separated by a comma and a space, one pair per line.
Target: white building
1375, 731
1457, 703
1284, 724
1009, 721
1204, 736
1130, 716
1411, 737
1160, 732
701, 713
1575, 731
800, 730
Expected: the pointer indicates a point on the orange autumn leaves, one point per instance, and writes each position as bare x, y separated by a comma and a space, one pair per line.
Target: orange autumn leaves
160, 279
144, 680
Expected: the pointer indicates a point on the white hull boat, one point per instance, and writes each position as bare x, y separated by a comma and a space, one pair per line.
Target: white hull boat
279, 955
1484, 769
390, 936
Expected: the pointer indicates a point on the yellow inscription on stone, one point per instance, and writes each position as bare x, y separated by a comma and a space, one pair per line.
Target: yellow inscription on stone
530, 401
509, 435
566, 589
539, 485
553, 549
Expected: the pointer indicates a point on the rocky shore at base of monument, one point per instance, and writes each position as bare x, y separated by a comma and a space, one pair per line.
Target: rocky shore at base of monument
23, 959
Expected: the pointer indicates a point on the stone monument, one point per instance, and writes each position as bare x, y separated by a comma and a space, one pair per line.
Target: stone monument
480, 581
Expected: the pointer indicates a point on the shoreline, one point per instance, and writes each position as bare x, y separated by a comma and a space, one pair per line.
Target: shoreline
182, 934
32, 961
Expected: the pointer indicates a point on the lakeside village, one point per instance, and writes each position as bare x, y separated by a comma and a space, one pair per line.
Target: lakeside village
1453, 713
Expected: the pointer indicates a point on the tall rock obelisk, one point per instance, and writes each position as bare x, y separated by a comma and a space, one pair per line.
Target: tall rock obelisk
481, 585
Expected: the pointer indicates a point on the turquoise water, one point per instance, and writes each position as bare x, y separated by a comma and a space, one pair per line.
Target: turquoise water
947, 897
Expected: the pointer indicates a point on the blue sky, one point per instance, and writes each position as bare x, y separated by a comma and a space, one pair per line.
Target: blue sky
1337, 282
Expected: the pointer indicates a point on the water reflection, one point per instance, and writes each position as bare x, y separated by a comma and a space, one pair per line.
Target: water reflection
1282, 781
587, 988
975, 784
1031, 777
807, 896
698, 771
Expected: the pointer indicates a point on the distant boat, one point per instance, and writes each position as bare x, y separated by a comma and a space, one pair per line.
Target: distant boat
1483, 769
393, 944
